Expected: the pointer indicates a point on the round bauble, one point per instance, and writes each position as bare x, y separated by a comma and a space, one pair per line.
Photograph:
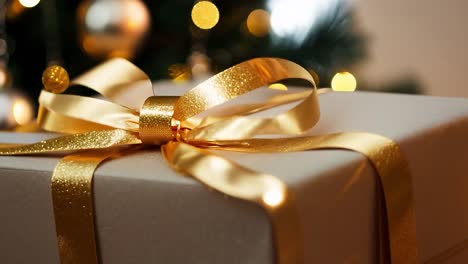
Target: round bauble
55, 79
112, 28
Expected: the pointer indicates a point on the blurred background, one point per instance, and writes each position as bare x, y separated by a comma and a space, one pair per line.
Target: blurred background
397, 46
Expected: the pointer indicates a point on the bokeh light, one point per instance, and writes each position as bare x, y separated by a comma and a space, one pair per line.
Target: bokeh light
205, 15
258, 22
273, 197
3, 78
22, 111
344, 82
293, 20
29, 3
278, 86
179, 72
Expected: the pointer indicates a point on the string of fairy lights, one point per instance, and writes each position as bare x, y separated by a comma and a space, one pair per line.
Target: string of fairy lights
205, 15
259, 22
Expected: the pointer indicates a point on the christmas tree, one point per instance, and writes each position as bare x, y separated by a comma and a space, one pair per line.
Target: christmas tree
321, 36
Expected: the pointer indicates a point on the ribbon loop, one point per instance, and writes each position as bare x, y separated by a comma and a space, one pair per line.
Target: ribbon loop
186, 127
156, 123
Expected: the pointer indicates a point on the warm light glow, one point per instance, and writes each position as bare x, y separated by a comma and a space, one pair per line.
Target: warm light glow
88, 44
99, 15
22, 111
120, 54
29, 3
137, 16
179, 72
3, 78
343, 82
293, 20
278, 86
205, 15
273, 197
200, 69
258, 22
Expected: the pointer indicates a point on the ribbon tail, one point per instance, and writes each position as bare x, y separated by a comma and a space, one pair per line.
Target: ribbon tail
385, 156
72, 196
243, 183
90, 140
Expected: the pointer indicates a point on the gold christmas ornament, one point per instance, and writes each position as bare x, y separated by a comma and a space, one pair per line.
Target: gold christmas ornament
55, 79
112, 28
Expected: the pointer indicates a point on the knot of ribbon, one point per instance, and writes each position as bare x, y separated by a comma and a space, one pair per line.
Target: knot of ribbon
157, 125
186, 127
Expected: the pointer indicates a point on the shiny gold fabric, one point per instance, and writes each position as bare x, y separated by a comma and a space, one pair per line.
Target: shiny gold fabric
156, 124
240, 182
72, 198
187, 127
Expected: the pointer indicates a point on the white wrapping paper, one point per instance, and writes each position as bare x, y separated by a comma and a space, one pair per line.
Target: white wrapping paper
147, 213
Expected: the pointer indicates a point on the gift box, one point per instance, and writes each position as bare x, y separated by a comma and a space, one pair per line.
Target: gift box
147, 213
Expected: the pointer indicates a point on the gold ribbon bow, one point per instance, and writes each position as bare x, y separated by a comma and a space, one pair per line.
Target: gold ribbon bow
186, 127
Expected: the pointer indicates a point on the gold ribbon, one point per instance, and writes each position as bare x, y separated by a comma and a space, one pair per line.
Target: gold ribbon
186, 127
